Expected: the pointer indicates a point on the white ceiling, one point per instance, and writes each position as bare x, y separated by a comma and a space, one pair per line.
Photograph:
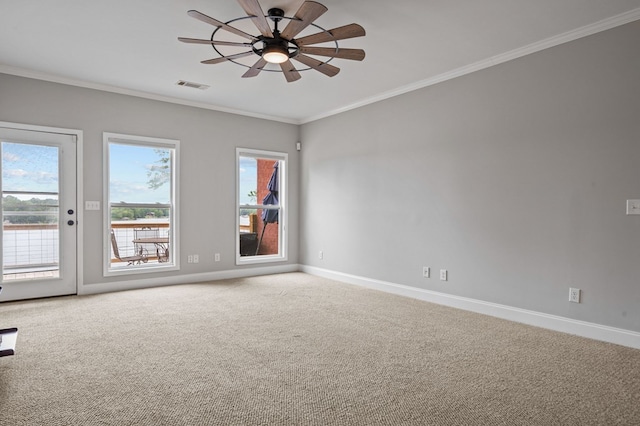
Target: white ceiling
131, 46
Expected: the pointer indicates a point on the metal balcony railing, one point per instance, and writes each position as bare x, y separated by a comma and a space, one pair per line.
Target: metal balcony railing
30, 246
125, 232
35, 247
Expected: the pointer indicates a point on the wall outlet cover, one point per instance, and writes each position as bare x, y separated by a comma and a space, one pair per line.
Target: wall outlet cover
633, 207
574, 295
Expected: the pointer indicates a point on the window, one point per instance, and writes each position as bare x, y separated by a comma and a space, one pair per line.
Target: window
141, 214
261, 206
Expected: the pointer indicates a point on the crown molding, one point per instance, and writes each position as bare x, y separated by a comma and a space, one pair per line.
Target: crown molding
587, 30
21, 72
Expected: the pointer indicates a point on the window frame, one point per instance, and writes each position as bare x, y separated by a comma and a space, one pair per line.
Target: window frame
282, 255
149, 142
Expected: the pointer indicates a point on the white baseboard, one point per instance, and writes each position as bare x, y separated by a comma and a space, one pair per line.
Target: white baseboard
137, 283
566, 325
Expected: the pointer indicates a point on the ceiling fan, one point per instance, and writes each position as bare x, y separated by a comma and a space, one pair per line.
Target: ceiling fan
274, 46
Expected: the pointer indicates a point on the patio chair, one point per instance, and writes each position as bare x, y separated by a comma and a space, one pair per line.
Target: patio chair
141, 255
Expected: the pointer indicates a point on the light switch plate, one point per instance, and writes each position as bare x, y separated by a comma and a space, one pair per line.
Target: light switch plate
633, 207
92, 205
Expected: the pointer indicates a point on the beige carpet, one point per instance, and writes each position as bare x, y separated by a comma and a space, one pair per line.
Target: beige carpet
295, 349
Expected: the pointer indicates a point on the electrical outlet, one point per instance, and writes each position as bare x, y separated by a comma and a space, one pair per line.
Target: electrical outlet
196, 258
190, 258
633, 206
443, 275
574, 295
217, 257
320, 255
426, 271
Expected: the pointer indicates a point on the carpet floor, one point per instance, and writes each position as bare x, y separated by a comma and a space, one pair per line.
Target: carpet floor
295, 349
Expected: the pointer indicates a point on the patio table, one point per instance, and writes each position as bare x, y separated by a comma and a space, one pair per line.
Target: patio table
161, 243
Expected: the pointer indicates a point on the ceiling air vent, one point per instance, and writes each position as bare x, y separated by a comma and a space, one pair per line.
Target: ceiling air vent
192, 85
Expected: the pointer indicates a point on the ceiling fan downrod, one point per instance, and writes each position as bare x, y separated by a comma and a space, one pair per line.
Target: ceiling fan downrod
276, 49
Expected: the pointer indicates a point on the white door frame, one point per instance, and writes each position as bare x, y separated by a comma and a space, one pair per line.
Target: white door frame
79, 187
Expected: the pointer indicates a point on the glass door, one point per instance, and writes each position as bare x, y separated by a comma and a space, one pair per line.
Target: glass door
38, 214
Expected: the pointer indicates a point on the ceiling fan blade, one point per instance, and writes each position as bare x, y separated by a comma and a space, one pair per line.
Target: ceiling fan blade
253, 9
255, 69
353, 54
216, 42
227, 58
324, 68
340, 33
211, 21
290, 72
308, 12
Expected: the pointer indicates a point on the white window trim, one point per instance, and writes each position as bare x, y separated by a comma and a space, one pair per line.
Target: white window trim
283, 199
173, 237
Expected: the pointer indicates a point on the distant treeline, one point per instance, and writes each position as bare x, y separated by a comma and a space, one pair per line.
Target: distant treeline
29, 211
130, 213
36, 211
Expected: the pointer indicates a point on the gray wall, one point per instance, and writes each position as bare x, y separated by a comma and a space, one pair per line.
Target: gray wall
513, 178
207, 181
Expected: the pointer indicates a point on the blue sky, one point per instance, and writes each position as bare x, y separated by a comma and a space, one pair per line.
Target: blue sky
248, 179
128, 175
32, 168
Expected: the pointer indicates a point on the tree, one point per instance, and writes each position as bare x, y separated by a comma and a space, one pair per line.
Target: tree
160, 173
32, 211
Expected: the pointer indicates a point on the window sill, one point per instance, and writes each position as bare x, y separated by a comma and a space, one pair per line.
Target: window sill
140, 269
252, 260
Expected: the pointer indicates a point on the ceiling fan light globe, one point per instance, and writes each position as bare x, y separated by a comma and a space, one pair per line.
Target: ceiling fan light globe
275, 55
